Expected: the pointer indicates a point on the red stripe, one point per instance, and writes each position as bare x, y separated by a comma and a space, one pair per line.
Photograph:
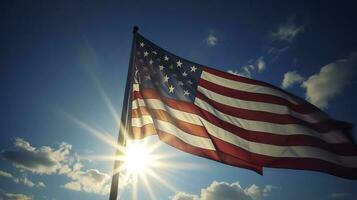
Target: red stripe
321, 127
258, 97
142, 132
290, 163
213, 155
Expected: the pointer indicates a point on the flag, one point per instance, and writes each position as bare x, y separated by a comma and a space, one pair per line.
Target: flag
232, 119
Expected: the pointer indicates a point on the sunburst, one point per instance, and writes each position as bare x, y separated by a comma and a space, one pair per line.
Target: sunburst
141, 161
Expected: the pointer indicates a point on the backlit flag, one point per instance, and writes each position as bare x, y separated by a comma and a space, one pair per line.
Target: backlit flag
233, 119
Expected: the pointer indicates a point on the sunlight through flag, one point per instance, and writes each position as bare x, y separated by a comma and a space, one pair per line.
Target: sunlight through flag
233, 119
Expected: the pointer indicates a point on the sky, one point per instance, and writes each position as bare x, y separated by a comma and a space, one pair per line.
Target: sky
63, 68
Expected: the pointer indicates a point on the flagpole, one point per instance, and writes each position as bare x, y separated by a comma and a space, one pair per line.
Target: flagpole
125, 121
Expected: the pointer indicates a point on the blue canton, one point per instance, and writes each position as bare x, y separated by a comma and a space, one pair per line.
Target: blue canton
170, 75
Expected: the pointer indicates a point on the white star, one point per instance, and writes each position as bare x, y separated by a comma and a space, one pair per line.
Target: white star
161, 67
186, 93
142, 44
166, 58
147, 77
189, 82
154, 52
193, 68
151, 62
146, 53
171, 89
179, 63
184, 73
166, 78
180, 83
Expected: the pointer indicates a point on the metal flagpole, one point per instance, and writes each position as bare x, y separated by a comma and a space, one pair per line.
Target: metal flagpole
125, 121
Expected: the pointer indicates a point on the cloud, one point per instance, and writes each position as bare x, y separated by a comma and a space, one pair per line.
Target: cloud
5, 174
184, 196
43, 160
91, 181
47, 160
267, 189
245, 71
76, 186
11, 196
288, 31
274, 53
23, 180
261, 64
291, 78
253, 66
41, 184
211, 39
227, 191
338, 195
330, 81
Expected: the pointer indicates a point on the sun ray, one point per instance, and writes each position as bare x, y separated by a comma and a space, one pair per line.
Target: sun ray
161, 180
177, 165
135, 187
148, 186
107, 138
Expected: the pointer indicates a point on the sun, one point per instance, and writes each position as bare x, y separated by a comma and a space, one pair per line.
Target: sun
137, 158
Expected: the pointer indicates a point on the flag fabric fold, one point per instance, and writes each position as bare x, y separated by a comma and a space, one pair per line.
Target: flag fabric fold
233, 119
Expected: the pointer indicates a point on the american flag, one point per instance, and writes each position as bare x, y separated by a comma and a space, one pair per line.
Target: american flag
233, 119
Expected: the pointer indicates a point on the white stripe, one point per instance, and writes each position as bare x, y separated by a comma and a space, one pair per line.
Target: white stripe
141, 121
237, 85
159, 105
279, 129
136, 87
260, 106
167, 127
280, 151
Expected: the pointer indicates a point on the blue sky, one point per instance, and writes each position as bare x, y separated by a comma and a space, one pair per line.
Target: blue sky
62, 62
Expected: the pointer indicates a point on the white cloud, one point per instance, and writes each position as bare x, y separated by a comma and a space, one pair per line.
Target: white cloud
184, 196
91, 181
76, 186
288, 31
267, 189
329, 82
291, 78
5, 174
23, 180
41, 184
245, 71
11, 196
248, 70
43, 160
211, 39
227, 191
261, 64
47, 160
